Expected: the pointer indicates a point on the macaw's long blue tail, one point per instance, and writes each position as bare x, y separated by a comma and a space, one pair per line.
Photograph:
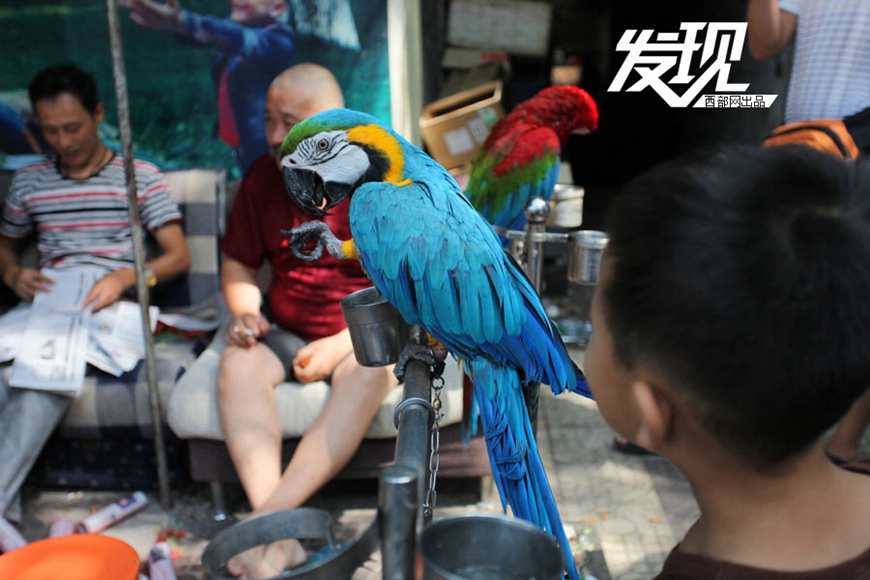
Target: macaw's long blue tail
513, 453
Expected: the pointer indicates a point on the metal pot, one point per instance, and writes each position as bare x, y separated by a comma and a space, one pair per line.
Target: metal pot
377, 330
584, 256
488, 547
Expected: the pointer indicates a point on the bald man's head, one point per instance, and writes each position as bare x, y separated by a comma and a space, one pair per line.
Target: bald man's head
317, 89
296, 94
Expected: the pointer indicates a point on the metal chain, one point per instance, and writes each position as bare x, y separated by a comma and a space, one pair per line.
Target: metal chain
434, 448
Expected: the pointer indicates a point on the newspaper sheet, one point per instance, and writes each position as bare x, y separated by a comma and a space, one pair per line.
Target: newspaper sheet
116, 342
51, 356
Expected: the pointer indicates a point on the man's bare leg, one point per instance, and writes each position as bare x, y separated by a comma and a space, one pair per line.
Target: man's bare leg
327, 446
246, 393
357, 393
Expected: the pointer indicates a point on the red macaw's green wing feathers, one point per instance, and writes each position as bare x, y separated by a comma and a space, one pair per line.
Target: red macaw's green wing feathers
520, 158
522, 163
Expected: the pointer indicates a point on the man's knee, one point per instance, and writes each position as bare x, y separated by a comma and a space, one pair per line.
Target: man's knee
373, 381
247, 369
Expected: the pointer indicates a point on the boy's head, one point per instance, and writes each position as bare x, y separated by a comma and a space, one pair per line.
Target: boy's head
739, 279
257, 13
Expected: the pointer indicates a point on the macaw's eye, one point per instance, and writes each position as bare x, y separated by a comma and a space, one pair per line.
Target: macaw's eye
323, 144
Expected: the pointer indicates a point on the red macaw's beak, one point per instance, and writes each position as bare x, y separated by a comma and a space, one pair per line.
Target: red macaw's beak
311, 193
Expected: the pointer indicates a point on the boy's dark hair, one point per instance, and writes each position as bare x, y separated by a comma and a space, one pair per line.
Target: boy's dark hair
743, 275
64, 78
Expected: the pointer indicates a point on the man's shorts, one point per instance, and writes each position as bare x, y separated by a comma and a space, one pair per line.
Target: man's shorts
285, 345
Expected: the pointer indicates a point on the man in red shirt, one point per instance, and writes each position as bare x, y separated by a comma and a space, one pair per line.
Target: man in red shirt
304, 337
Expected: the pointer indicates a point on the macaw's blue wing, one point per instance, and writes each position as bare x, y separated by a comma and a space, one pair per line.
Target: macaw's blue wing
442, 266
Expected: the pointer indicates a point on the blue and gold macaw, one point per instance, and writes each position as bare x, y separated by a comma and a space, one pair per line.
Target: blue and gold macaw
441, 264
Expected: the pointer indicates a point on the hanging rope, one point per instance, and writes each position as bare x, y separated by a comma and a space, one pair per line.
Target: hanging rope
138, 248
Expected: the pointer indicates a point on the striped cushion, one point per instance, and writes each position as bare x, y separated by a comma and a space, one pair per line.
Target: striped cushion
200, 193
119, 407
193, 411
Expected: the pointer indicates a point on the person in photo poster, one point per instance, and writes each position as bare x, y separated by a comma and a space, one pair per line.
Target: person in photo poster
254, 45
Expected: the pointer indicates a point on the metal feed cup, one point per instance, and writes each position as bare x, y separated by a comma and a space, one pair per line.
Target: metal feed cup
377, 330
488, 547
584, 256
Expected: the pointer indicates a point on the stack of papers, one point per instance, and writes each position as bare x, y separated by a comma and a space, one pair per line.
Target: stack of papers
116, 343
52, 339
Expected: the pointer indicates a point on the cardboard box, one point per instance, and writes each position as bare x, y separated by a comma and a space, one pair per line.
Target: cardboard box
454, 128
462, 79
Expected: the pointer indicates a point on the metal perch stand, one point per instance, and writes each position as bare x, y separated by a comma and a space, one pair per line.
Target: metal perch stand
138, 249
401, 486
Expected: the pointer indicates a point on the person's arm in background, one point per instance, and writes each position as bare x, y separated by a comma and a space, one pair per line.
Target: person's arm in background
173, 261
243, 297
769, 29
23, 281
221, 33
156, 15
15, 227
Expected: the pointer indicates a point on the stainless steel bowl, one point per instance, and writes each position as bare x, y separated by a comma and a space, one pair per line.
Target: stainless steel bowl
488, 547
584, 256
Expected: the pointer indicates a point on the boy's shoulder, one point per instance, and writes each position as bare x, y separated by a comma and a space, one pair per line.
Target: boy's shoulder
682, 566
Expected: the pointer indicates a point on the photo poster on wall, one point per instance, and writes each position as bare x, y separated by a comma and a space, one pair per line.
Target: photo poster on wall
196, 99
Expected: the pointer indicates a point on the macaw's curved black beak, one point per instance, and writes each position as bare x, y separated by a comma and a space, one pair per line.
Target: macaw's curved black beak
311, 193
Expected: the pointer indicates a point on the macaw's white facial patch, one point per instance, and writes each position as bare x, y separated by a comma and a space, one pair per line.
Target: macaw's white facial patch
331, 156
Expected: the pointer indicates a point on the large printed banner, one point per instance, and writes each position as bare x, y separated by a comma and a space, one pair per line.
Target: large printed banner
195, 94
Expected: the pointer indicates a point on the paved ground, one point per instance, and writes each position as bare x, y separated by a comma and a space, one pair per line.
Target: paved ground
634, 508
628, 511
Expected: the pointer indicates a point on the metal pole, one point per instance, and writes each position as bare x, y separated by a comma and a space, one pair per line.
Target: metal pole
397, 521
138, 248
537, 211
401, 486
414, 415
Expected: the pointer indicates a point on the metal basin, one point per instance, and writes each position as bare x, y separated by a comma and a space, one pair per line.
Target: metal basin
377, 330
488, 547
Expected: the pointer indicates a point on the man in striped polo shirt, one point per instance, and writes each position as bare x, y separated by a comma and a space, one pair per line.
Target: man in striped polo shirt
76, 205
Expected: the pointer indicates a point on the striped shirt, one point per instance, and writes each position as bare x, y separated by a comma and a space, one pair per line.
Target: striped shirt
84, 221
830, 77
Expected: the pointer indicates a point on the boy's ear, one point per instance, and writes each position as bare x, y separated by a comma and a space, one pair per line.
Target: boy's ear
655, 414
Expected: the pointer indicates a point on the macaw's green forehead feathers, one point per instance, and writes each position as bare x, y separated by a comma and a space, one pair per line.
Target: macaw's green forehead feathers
332, 120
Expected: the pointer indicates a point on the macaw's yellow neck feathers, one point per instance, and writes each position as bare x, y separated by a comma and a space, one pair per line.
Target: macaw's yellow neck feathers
381, 142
